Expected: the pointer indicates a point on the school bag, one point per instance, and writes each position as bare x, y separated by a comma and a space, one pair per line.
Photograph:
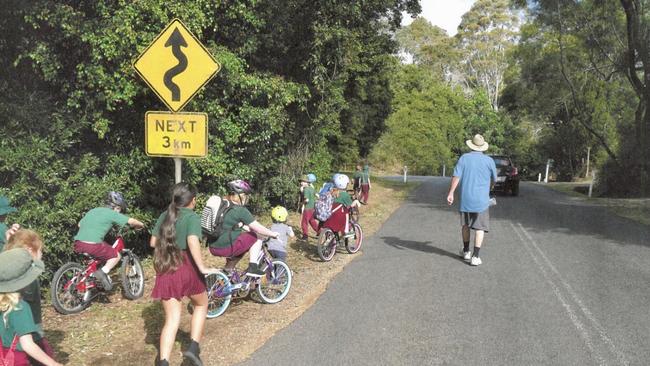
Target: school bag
323, 207
212, 217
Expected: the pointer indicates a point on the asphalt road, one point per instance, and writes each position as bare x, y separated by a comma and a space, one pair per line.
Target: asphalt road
562, 283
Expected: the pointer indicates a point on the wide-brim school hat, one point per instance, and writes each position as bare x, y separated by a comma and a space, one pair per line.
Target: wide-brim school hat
5, 207
18, 269
477, 143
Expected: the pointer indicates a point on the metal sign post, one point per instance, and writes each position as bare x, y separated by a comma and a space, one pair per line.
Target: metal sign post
178, 166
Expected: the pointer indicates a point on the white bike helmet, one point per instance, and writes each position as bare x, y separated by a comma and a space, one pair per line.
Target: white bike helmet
341, 181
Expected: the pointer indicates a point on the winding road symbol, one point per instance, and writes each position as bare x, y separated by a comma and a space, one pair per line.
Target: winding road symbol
176, 41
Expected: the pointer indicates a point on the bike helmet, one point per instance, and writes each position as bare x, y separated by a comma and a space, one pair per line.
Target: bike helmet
239, 186
115, 199
279, 214
311, 178
341, 181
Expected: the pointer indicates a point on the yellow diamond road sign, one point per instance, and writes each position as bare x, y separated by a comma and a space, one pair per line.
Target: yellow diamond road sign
176, 134
176, 65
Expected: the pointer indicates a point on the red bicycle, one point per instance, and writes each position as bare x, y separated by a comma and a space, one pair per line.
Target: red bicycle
73, 288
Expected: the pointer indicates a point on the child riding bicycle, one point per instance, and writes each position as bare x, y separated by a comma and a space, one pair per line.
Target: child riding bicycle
339, 221
241, 229
94, 226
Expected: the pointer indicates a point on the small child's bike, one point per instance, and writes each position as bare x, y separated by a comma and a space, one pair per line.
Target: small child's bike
329, 241
271, 288
73, 288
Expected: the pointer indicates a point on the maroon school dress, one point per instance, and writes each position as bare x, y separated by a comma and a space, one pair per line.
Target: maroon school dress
339, 219
185, 281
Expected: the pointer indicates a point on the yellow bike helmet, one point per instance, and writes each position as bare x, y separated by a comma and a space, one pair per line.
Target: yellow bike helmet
279, 214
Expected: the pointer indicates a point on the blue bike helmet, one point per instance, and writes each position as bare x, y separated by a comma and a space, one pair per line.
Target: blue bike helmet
311, 178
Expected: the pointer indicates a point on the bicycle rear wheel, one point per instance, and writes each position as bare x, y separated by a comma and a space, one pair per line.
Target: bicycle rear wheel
275, 285
352, 245
219, 294
69, 295
326, 245
132, 277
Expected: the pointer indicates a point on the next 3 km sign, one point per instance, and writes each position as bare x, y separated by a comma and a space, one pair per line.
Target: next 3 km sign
176, 134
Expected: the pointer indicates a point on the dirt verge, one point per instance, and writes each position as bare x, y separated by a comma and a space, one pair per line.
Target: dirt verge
115, 331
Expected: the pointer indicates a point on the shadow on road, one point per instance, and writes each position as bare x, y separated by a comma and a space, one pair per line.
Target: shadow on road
422, 246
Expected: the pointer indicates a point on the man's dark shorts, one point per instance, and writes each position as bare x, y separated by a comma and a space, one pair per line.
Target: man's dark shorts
476, 220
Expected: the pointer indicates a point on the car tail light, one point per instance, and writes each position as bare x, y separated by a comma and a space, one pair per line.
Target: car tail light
514, 171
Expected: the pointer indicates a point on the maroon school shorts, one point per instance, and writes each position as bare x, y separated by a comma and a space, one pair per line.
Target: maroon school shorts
101, 251
241, 245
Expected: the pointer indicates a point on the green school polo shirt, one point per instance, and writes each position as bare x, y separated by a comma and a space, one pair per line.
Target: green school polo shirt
3, 231
97, 222
187, 223
233, 217
344, 198
310, 195
19, 322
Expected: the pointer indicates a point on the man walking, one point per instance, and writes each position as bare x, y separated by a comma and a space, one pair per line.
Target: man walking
476, 174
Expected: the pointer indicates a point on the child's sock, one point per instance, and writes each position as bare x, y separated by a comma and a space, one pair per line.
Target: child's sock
476, 250
466, 246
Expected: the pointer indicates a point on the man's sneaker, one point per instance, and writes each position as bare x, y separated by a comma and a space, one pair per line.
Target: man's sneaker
103, 279
475, 261
465, 254
254, 270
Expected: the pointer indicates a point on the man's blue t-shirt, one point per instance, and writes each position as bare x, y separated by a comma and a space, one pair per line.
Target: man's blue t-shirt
475, 170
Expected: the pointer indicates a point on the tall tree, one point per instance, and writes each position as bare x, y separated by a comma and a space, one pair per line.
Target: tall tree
485, 35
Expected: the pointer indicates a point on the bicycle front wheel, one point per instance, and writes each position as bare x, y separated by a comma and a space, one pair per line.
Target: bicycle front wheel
352, 245
326, 245
132, 277
219, 295
69, 294
275, 284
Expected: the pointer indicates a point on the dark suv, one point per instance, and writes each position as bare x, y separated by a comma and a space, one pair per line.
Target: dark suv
507, 175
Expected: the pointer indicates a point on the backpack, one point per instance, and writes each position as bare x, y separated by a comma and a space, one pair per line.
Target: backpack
212, 217
323, 207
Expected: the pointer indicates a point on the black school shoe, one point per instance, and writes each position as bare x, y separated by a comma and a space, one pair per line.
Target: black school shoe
192, 354
254, 270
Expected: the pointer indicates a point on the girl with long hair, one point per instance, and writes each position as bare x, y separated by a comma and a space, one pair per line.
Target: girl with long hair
180, 271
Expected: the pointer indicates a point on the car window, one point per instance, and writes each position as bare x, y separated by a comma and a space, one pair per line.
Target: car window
501, 162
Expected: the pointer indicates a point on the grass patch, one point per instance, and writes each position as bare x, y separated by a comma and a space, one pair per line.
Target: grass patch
116, 331
636, 209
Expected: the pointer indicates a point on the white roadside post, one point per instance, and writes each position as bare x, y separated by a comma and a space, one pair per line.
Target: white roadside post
444, 170
539, 177
405, 170
591, 184
548, 163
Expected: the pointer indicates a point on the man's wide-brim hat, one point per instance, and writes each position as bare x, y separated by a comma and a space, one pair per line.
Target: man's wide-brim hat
477, 143
5, 207
18, 269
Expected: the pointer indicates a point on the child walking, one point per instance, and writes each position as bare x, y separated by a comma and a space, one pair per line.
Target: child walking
32, 242
180, 271
278, 246
17, 328
308, 204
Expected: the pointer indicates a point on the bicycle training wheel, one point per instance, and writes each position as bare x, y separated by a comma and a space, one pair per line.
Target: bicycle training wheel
326, 245
218, 294
352, 245
68, 294
132, 277
275, 284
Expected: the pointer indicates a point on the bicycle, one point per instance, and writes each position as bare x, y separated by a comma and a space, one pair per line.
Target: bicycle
272, 288
73, 287
329, 241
